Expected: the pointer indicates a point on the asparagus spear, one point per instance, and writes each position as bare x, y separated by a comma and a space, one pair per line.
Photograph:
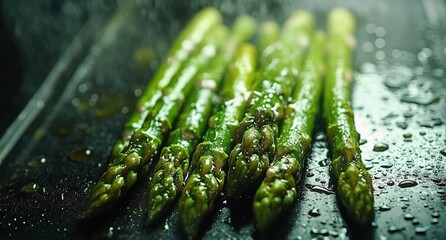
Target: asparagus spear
145, 142
354, 183
279, 62
207, 176
269, 33
278, 190
186, 44
173, 165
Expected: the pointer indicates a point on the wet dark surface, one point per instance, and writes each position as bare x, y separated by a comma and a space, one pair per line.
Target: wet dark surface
399, 101
34, 36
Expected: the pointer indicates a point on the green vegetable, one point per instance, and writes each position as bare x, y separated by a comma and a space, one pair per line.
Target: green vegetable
144, 144
278, 190
269, 33
209, 160
187, 43
173, 165
354, 183
256, 134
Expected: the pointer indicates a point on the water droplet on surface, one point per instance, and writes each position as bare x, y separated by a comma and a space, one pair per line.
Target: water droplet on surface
407, 135
380, 147
380, 43
37, 162
362, 141
393, 229
30, 188
407, 183
390, 183
384, 208
420, 98
323, 232
443, 152
380, 32
434, 221
386, 165
435, 215
421, 230
333, 233
408, 216
415, 221
319, 189
314, 212
323, 163
81, 154
402, 125
380, 55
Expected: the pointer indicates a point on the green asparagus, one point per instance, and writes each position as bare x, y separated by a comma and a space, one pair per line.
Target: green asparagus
145, 142
256, 134
186, 44
209, 160
354, 184
278, 190
269, 33
173, 165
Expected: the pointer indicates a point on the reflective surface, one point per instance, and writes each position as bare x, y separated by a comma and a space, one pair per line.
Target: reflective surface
399, 101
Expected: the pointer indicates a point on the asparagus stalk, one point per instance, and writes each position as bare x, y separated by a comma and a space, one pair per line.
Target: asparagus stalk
145, 142
278, 190
173, 165
207, 172
354, 183
256, 134
269, 33
186, 44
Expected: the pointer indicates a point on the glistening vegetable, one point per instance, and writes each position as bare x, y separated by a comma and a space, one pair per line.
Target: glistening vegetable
256, 135
354, 184
145, 142
209, 160
173, 165
278, 190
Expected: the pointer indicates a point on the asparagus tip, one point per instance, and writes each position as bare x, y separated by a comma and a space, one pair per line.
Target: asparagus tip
356, 194
244, 27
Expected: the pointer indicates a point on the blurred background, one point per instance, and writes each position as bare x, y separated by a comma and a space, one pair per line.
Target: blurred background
33, 37
71, 71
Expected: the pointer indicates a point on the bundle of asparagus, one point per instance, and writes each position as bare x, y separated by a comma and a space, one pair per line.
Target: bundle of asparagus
280, 62
209, 160
267, 123
173, 165
157, 110
278, 190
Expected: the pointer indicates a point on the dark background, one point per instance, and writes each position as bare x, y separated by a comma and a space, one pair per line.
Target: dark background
399, 100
